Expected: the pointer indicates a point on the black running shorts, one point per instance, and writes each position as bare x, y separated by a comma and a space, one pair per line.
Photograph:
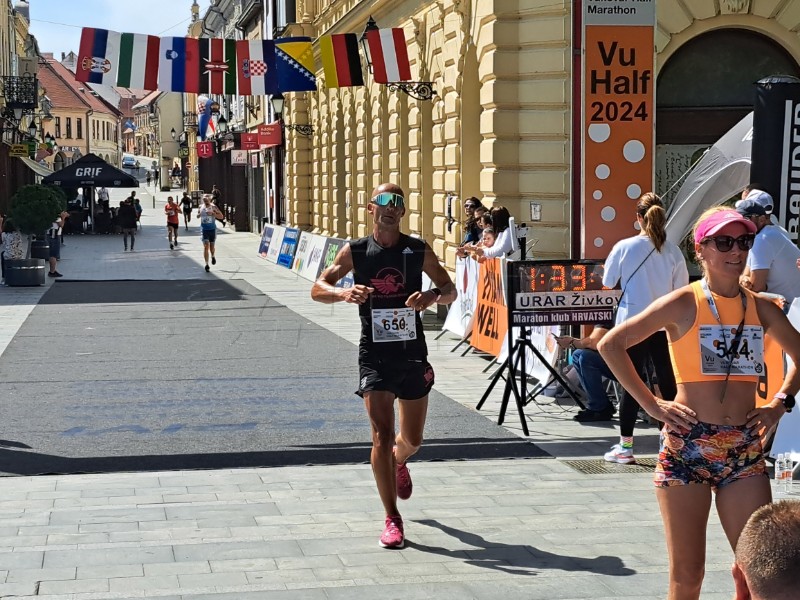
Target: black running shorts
406, 379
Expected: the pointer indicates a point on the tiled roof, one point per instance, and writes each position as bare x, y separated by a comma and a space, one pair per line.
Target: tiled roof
64, 92
147, 100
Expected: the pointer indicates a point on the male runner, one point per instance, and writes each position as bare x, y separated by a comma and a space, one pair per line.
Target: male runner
186, 205
387, 268
173, 223
208, 215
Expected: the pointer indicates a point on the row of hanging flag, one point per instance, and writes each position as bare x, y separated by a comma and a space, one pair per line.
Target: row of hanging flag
243, 67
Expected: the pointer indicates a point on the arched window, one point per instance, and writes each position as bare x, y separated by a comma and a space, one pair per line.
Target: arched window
707, 86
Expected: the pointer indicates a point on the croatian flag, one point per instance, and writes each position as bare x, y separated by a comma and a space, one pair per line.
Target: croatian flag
98, 56
179, 65
389, 53
255, 67
138, 61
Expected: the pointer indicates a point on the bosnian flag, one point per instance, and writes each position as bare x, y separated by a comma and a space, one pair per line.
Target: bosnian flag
138, 61
179, 65
255, 67
389, 53
98, 56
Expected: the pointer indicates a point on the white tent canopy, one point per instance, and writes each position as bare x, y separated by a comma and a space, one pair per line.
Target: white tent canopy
723, 172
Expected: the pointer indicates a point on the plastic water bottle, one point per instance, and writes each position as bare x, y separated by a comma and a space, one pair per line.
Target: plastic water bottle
780, 470
788, 477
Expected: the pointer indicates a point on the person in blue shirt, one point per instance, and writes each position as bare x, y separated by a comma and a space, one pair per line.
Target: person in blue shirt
208, 215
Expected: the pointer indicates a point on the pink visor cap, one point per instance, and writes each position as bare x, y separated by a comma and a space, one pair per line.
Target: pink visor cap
716, 221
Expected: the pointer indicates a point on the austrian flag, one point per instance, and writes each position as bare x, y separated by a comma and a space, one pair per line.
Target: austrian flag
387, 48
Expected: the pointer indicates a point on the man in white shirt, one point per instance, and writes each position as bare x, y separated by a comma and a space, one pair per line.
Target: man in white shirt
771, 264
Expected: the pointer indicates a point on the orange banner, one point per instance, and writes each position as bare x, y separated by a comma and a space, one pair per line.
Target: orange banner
491, 316
618, 118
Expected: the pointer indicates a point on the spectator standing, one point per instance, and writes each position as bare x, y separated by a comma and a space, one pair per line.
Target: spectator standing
54, 240
647, 267
173, 222
137, 205
770, 264
216, 199
147, 177
127, 219
504, 242
711, 440
156, 177
768, 554
472, 231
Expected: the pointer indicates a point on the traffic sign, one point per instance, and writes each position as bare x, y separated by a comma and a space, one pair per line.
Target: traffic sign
184, 152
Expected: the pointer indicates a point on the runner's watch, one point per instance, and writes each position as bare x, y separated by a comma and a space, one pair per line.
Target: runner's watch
787, 400
438, 293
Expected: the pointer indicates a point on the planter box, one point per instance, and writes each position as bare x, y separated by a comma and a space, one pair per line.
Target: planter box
40, 249
25, 272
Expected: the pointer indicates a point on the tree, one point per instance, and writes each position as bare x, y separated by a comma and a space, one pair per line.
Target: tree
35, 207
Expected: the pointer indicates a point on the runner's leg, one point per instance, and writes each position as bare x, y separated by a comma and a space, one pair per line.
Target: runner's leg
412, 426
738, 500
380, 408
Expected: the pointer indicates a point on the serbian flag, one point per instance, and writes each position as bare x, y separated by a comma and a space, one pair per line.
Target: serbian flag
340, 60
179, 65
98, 56
294, 61
387, 48
138, 61
255, 67
217, 66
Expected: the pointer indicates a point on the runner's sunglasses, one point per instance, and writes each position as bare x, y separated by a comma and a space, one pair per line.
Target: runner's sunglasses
387, 198
724, 243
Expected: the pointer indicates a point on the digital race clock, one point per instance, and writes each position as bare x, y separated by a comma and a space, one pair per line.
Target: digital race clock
553, 292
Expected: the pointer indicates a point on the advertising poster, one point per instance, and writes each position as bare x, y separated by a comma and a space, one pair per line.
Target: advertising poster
462, 312
491, 317
332, 247
302, 250
288, 247
275, 243
308, 266
266, 237
618, 118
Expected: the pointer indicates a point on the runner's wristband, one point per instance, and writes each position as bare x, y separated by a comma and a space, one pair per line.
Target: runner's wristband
787, 400
438, 293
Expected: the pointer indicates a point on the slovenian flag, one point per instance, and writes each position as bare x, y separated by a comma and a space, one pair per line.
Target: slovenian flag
340, 60
138, 61
255, 67
387, 48
98, 56
294, 61
217, 66
179, 65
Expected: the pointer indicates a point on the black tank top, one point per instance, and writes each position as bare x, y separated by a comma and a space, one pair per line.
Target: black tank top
395, 273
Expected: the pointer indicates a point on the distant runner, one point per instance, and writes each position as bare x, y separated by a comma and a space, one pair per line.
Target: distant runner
173, 223
186, 205
208, 215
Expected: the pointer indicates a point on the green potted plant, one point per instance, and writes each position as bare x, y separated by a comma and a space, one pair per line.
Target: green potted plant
33, 210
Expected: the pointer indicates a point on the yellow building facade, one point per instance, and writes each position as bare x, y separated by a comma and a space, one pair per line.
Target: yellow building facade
500, 126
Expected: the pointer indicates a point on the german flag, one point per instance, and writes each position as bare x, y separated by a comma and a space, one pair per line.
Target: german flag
340, 60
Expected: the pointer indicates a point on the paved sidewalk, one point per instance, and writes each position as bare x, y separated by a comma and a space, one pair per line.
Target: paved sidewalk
476, 529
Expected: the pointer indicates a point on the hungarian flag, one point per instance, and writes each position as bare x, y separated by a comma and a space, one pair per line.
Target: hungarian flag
387, 48
217, 66
294, 61
255, 67
138, 61
340, 60
179, 65
98, 56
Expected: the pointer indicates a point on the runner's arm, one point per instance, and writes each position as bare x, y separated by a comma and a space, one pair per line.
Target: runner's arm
324, 289
440, 278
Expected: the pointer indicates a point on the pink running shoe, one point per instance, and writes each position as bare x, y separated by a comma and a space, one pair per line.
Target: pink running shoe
404, 485
393, 536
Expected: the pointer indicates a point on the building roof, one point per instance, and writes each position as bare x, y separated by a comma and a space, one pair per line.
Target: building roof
64, 92
147, 100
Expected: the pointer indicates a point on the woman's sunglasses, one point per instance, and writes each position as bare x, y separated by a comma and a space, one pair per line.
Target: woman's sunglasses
387, 198
724, 243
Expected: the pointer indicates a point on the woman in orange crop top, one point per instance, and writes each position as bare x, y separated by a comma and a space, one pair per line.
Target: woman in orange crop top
711, 436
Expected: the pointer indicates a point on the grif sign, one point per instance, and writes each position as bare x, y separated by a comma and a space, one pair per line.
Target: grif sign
776, 147
88, 171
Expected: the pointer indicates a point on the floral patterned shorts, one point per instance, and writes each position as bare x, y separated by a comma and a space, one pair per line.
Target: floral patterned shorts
713, 454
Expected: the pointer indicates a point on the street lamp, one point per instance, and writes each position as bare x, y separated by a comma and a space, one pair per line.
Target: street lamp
371, 26
222, 123
277, 101
173, 133
32, 129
